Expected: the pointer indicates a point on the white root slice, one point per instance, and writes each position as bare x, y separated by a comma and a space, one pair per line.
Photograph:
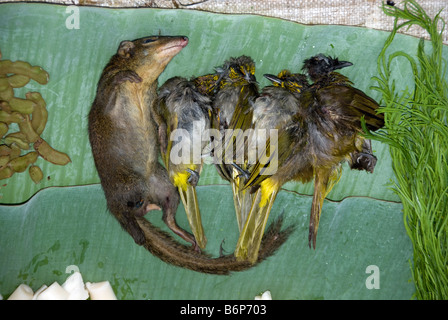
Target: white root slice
74, 285
101, 291
53, 292
39, 291
265, 296
23, 292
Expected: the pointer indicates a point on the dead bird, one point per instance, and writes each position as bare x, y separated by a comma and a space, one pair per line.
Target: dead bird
185, 115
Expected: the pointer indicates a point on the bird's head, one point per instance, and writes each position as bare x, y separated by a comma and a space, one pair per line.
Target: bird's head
321, 65
294, 82
237, 71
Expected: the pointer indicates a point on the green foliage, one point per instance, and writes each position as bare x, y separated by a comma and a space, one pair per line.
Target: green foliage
417, 133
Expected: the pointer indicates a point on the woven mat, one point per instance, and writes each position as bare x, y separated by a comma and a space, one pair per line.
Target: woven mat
362, 13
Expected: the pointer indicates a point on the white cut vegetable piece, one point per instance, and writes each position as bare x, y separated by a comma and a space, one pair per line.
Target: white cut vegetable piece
265, 296
39, 291
23, 292
74, 285
53, 292
101, 291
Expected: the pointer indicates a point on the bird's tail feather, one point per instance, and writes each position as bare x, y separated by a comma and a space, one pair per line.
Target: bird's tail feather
191, 205
251, 235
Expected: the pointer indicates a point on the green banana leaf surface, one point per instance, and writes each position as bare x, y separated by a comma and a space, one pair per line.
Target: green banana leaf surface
63, 221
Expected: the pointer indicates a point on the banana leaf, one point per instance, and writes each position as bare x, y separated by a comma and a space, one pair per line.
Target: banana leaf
63, 221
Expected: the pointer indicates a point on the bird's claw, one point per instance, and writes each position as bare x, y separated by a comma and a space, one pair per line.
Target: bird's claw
194, 177
242, 172
364, 161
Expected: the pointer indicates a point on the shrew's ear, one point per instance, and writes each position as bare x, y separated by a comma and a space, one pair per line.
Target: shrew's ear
126, 49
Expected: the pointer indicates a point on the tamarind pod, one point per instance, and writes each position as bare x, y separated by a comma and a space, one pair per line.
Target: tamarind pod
24, 68
27, 129
36, 173
19, 139
18, 80
3, 129
4, 105
12, 151
40, 114
5, 150
18, 134
50, 154
4, 84
7, 93
24, 106
6, 172
4, 160
8, 118
15, 151
20, 164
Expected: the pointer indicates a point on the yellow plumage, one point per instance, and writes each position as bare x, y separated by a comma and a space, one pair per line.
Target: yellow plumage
180, 179
268, 186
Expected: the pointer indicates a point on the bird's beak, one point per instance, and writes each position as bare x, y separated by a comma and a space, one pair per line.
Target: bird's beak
342, 64
272, 78
250, 77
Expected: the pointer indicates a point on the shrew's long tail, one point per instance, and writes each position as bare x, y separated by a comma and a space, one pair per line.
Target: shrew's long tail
163, 246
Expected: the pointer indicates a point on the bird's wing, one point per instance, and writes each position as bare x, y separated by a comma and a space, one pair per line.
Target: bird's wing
233, 142
348, 105
276, 153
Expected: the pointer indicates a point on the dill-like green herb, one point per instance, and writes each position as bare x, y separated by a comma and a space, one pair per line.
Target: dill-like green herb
416, 131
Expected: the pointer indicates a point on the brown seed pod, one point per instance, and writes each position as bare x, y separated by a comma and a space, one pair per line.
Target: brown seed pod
15, 151
23, 106
19, 139
18, 80
36, 173
7, 93
4, 160
5, 150
40, 114
24, 68
4, 105
20, 164
27, 129
9, 117
3, 129
4, 84
5, 173
50, 154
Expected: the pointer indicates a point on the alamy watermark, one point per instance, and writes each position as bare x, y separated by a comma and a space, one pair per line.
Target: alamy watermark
72, 21
373, 280
225, 147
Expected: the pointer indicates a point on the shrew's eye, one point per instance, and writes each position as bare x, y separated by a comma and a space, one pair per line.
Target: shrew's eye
139, 204
149, 40
132, 204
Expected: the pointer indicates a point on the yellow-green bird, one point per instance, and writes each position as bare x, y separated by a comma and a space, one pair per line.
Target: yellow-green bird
320, 70
335, 111
277, 108
234, 88
185, 115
